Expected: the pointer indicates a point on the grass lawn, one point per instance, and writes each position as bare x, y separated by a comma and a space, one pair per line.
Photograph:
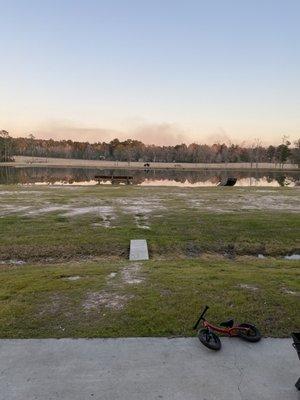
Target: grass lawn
76, 281
154, 298
62, 223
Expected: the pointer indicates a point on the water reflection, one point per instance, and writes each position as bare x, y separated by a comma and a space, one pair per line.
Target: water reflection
86, 176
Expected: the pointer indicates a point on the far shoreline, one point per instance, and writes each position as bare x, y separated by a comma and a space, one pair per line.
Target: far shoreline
26, 161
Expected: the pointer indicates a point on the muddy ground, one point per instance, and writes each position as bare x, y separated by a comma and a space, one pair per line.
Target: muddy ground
78, 222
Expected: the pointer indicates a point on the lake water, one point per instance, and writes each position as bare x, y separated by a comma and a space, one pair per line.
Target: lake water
183, 178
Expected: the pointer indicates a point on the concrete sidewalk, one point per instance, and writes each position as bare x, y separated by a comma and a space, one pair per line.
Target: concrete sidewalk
147, 368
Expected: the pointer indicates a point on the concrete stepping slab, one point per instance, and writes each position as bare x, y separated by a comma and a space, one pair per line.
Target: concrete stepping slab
138, 250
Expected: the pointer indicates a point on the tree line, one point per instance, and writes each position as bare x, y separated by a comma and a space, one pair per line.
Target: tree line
134, 150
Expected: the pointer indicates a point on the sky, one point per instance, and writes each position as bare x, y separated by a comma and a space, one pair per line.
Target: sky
164, 72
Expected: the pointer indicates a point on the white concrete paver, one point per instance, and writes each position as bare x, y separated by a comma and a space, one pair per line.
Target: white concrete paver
138, 250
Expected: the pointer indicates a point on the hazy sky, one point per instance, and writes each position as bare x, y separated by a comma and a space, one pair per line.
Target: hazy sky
161, 71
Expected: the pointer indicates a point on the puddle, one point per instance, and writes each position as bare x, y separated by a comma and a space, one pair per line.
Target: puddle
292, 257
288, 291
287, 257
13, 262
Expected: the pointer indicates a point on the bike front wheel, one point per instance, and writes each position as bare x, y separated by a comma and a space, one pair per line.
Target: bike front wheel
252, 334
209, 339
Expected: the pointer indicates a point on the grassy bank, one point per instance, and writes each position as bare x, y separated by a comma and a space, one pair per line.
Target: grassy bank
63, 223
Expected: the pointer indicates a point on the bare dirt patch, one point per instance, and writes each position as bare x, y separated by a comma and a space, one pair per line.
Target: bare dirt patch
55, 304
140, 206
130, 274
114, 301
141, 221
205, 204
45, 210
252, 201
72, 278
256, 202
12, 209
140, 209
248, 287
166, 293
106, 214
97, 210
105, 222
19, 192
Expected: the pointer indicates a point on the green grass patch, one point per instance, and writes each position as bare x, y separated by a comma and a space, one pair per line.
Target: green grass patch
189, 231
40, 301
183, 223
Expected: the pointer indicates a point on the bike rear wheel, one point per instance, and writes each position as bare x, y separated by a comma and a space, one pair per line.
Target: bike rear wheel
209, 339
251, 335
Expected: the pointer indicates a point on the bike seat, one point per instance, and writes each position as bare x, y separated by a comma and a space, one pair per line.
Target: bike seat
227, 324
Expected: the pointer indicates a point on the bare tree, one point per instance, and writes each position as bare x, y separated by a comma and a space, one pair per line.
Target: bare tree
255, 151
4, 146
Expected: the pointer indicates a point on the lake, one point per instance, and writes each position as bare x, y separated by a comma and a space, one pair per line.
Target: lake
157, 177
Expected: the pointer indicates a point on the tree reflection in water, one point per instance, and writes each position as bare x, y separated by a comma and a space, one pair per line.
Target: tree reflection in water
47, 175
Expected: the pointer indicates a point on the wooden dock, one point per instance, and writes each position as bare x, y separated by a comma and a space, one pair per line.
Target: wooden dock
115, 178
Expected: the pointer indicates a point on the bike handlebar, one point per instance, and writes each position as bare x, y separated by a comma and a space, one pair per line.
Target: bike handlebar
201, 317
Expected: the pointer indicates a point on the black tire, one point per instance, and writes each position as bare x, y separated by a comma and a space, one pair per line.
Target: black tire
253, 335
209, 339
